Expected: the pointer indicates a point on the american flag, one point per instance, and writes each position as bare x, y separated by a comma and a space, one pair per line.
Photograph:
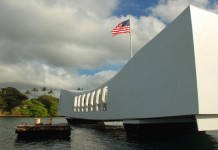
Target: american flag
123, 27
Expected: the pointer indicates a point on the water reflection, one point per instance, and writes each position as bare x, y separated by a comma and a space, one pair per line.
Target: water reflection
118, 139
26, 144
198, 141
106, 138
35, 139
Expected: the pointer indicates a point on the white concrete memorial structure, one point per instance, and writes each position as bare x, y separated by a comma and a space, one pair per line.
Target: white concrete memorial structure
171, 83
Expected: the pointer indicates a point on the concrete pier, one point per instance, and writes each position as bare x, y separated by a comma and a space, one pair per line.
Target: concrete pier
40, 130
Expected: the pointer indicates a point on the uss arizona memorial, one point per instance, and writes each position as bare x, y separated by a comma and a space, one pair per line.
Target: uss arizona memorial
170, 84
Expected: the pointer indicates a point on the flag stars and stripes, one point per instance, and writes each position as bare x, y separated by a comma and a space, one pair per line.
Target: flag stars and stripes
123, 27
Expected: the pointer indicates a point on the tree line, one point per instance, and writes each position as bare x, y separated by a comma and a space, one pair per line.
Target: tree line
14, 102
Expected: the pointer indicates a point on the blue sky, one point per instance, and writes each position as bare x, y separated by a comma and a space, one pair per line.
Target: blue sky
134, 7
66, 44
114, 67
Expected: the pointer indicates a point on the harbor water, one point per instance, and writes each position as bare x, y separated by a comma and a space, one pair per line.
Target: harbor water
95, 138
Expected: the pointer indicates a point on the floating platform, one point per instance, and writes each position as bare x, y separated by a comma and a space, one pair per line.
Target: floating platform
39, 130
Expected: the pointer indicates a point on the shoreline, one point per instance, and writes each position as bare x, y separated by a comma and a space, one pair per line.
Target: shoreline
2, 116
13, 116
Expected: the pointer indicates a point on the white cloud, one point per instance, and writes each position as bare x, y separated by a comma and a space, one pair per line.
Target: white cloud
144, 29
167, 10
45, 43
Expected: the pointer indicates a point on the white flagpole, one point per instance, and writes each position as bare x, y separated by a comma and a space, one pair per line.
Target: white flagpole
130, 40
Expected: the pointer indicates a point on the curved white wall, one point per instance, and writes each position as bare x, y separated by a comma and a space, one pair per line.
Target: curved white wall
159, 81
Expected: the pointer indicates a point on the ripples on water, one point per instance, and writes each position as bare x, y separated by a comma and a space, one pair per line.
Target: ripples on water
94, 138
